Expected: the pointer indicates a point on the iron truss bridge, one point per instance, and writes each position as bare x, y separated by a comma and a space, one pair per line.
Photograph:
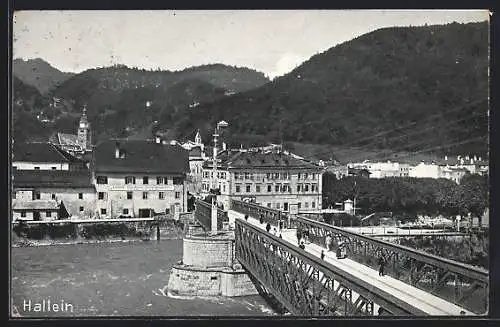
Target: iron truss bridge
320, 285
203, 214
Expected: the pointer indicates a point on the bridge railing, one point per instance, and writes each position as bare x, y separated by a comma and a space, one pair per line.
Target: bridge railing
307, 285
459, 283
203, 213
268, 215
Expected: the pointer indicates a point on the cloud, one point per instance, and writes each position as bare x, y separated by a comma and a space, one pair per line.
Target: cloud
286, 63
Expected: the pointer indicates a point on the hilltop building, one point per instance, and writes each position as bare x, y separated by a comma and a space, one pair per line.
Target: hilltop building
271, 178
140, 178
77, 144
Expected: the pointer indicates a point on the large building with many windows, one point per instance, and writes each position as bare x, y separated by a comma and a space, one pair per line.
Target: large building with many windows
140, 178
271, 178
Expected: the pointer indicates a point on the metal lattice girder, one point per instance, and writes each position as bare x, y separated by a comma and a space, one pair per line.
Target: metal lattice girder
459, 283
203, 214
305, 284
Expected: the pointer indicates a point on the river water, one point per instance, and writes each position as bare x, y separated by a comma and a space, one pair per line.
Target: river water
112, 279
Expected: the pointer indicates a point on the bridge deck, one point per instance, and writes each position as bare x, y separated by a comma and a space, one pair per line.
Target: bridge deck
420, 299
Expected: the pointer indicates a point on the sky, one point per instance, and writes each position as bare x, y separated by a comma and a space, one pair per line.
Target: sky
271, 41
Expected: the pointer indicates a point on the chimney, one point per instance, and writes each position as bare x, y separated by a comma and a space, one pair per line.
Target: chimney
117, 150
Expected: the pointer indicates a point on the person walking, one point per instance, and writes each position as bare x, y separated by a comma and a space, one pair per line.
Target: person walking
322, 255
381, 262
302, 246
299, 235
275, 232
268, 227
328, 242
261, 219
246, 217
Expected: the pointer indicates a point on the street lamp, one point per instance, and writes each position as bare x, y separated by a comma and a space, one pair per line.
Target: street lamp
220, 125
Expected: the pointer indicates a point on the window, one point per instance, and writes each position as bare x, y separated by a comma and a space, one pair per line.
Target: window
37, 168
53, 168
298, 187
36, 195
247, 175
177, 181
257, 188
129, 180
269, 205
101, 196
248, 188
306, 188
125, 211
102, 179
238, 188
224, 188
48, 214
285, 206
80, 196
313, 187
177, 195
268, 175
306, 204
144, 195
53, 196
277, 188
306, 175
300, 175
103, 211
159, 180
23, 214
313, 204
145, 180
129, 195
299, 205
269, 188
277, 205
161, 195
81, 209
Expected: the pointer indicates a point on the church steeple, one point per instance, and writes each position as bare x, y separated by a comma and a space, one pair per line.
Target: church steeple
84, 133
197, 138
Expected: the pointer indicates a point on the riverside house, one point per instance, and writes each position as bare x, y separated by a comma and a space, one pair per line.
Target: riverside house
137, 178
52, 194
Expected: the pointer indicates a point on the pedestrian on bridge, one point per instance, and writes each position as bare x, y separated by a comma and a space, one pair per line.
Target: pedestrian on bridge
246, 217
268, 227
381, 262
328, 242
261, 219
299, 235
302, 245
322, 255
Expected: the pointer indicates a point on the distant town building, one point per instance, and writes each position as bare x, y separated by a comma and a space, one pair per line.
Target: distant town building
52, 194
140, 178
340, 171
271, 178
383, 169
79, 143
44, 156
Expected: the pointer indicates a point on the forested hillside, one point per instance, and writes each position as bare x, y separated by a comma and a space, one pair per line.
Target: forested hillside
431, 82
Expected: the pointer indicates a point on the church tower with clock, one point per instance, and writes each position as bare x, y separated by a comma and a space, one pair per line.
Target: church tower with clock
84, 132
